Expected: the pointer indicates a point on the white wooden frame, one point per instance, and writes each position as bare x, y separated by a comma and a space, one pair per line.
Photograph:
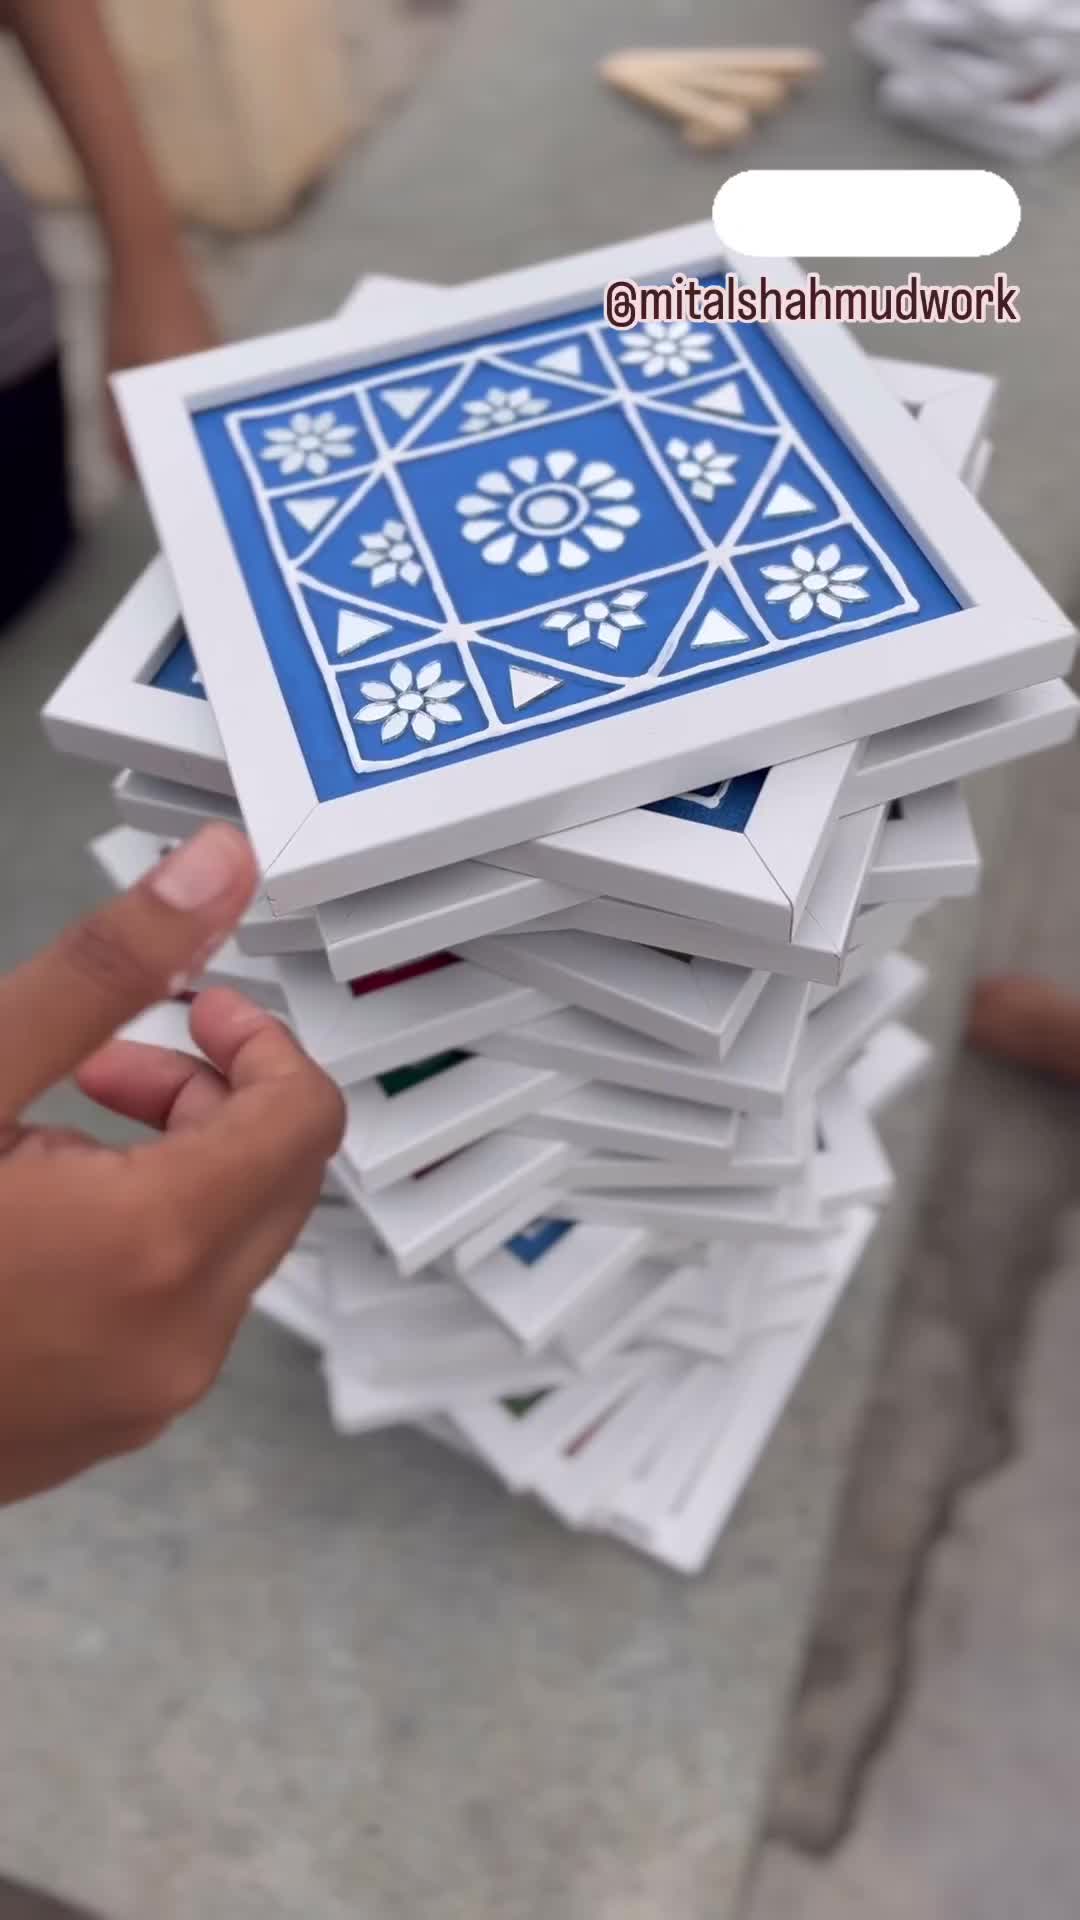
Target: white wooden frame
1009, 634
357, 1037
391, 1137
620, 1119
954, 408
754, 1076
417, 1221
106, 709
471, 900
929, 851
698, 1005
531, 1301
747, 1401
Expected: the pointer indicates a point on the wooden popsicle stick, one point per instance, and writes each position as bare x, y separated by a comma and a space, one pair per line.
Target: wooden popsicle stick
713, 121
762, 91
709, 136
790, 62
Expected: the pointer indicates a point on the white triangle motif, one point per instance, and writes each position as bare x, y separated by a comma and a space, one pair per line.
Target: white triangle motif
787, 499
309, 512
725, 399
525, 687
405, 401
716, 630
563, 360
355, 630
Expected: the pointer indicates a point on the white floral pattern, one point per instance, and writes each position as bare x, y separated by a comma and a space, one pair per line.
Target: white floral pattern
530, 512
309, 443
502, 407
610, 619
672, 347
808, 580
704, 468
390, 556
423, 702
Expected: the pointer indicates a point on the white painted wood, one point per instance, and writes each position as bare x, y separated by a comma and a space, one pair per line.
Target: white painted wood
1010, 635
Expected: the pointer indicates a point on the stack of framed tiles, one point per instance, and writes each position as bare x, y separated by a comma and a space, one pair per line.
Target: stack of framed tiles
485, 618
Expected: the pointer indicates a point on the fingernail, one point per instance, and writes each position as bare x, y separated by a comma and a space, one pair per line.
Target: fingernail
200, 871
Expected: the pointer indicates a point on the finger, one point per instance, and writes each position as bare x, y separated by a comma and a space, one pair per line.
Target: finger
156, 1086
39, 1142
267, 1142
63, 1004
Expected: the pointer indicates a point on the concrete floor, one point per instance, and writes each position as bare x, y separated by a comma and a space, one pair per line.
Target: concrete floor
970, 1811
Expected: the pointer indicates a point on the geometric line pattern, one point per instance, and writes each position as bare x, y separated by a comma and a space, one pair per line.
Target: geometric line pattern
622, 541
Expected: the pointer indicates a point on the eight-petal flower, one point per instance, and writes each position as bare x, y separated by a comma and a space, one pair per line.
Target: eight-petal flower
422, 702
702, 466
309, 443
671, 347
502, 407
530, 512
390, 555
611, 618
811, 580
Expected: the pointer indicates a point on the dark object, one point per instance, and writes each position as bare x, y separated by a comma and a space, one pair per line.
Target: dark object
25, 1903
36, 525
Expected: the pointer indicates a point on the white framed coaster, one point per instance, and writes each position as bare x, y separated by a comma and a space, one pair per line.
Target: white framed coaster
469, 900
543, 1274
167, 808
754, 1075
851, 1166
748, 1398
263, 933
409, 1118
697, 1005
773, 1148
509, 1434
419, 1219
812, 956
620, 1119
389, 1020
135, 697
494, 1366
744, 852
430, 911
928, 595
573, 1479
786, 1212
953, 406
928, 850
618, 1316
837, 1032
968, 740
890, 1063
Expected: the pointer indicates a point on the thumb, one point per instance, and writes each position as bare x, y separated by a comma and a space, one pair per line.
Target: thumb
141, 948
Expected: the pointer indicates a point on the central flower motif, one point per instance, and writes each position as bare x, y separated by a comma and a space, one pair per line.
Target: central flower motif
422, 703
811, 580
530, 512
390, 555
672, 347
502, 407
703, 466
309, 443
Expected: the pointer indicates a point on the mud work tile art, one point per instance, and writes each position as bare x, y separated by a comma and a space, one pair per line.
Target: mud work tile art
474, 548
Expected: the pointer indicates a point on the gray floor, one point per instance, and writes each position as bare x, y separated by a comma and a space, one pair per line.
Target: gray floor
373, 1684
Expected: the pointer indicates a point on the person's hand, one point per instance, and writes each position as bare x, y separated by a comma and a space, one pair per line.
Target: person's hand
156, 311
124, 1274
